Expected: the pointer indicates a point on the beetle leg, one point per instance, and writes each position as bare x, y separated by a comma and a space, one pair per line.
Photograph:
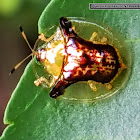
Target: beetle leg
92, 85
43, 79
108, 86
104, 40
95, 39
59, 88
43, 38
93, 36
73, 28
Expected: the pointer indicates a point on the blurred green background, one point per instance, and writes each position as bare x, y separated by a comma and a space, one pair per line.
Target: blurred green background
12, 46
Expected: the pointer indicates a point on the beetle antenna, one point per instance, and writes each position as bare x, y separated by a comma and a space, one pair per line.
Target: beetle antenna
25, 38
20, 63
33, 52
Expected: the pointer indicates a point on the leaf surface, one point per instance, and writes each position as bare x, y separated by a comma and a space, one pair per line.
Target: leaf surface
33, 115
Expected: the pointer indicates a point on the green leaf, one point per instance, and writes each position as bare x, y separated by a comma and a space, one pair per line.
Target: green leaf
33, 115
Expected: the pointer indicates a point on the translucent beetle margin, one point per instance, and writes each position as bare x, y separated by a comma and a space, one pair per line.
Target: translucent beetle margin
52, 58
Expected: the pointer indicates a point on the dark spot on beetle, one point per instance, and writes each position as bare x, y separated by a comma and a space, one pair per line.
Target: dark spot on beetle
97, 62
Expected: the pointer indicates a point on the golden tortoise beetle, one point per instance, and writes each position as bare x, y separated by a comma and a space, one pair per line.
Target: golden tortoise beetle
80, 60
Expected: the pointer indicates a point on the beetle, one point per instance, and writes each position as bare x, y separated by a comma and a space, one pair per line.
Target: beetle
66, 58
82, 60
